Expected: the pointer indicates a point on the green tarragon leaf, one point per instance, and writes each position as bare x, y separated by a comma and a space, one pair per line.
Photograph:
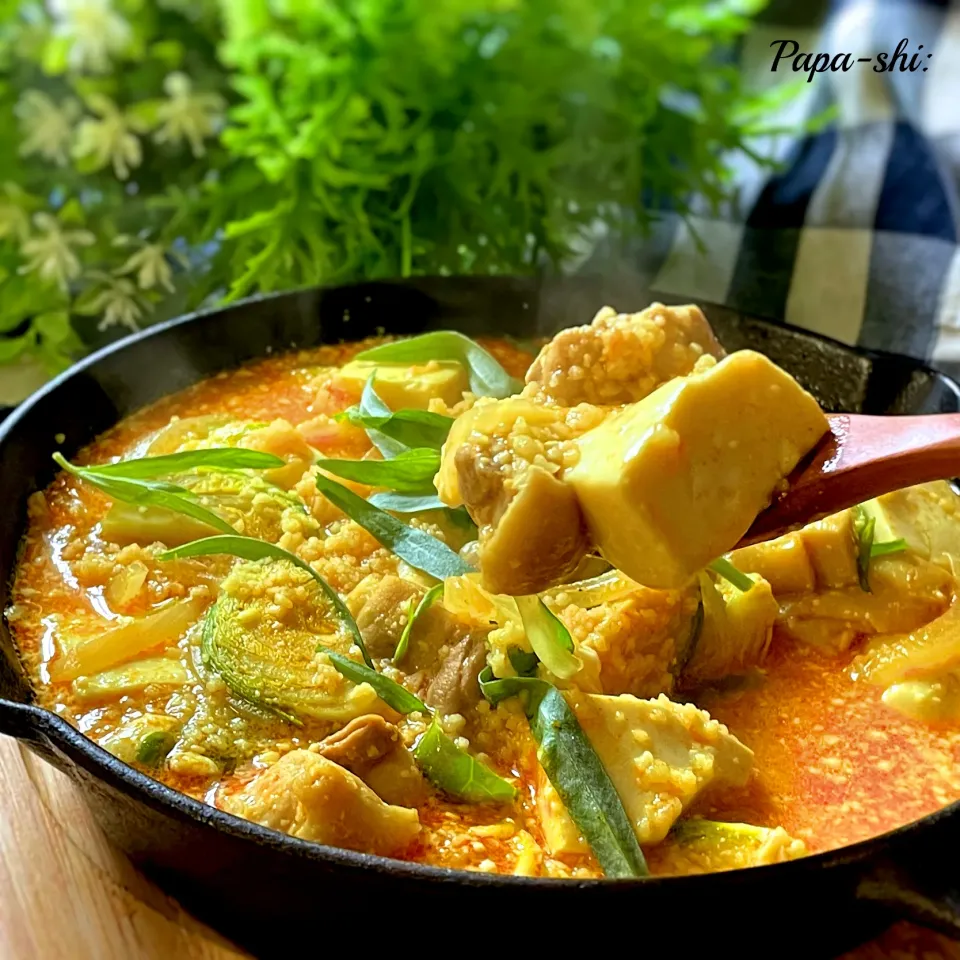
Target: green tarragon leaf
487, 376
426, 601
404, 503
416, 547
371, 405
154, 747
216, 458
550, 639
249, 548
887, 547
864, 529
457, 773
410, 428
410, 472
724, 568
389, 691
585, 787
147, 493
575, 770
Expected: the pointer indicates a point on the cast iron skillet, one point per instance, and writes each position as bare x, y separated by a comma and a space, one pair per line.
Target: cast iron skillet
274, 894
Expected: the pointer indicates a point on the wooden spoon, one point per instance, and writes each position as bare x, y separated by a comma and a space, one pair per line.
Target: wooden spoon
859, 458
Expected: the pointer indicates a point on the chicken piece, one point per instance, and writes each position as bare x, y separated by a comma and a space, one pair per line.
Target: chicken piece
313, 798
371, 748
735, 632
455, 687
636, 644
621, 357
380, 609
660, 755
505, 460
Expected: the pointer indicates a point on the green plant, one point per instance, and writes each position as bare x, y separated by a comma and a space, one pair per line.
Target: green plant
155, 156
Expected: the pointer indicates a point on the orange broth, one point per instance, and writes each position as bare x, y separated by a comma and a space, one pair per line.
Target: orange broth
833, 764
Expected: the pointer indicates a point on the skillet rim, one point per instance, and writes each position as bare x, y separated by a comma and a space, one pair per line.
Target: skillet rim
70, 742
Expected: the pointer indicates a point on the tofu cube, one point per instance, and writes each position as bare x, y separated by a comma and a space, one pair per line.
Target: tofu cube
402, 386
672, 482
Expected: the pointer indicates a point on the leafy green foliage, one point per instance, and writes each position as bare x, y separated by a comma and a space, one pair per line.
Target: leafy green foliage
550, 639
487, 377
887, 547
864, 528
455, 772
160, 156
722, 567
216, 458
575, 770
389, 691
417, 547
426, 601
154, 747
410, 472
415, 429
147, 493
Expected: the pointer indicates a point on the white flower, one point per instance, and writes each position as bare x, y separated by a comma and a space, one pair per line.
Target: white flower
47, 126
151, 263
50, 253
95, 31
186, 115
14, 219
117, 299
111, 139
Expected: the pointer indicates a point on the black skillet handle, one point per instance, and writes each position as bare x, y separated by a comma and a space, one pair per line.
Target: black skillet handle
922, 884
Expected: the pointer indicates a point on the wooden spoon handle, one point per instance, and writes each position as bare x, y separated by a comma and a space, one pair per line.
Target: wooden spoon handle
860, 458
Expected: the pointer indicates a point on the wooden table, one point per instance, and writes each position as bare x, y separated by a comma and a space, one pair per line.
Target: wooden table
65, 893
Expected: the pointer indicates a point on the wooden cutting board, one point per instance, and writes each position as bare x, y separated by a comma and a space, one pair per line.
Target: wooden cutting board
65, 893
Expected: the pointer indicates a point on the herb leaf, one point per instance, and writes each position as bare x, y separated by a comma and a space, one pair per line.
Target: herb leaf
410, 472
371, 405
864, 528
250, 548
154, 747
405, 503
550, 639
389, 691
224, 458
886, 547
417, 547
457, 773
522, 661
147, 493
724, 568
575, 770
425, 603
585, 787
528, 688
411, 428
487, 377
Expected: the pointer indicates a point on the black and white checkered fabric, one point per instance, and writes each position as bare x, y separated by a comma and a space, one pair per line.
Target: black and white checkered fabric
855, 235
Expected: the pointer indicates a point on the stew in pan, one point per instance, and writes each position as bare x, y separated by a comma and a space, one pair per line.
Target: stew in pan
475, 605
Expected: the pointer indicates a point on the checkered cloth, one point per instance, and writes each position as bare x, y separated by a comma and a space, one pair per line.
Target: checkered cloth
855, 235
